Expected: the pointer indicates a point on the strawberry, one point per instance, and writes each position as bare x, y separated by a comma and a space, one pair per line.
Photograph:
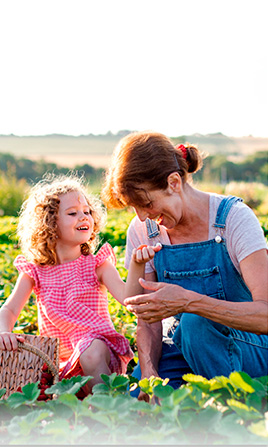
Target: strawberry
44, 367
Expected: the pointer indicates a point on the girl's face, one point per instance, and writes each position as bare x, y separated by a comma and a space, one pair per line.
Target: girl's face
75, 223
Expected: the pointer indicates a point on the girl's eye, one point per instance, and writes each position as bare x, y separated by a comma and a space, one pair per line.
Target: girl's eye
72, 214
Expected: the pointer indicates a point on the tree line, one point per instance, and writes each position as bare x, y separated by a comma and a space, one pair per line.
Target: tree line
32, 171
220, 169
217, 169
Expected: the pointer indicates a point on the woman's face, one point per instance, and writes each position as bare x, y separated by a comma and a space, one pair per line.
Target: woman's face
164, 206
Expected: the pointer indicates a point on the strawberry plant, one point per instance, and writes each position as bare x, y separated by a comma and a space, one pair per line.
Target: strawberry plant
216, 411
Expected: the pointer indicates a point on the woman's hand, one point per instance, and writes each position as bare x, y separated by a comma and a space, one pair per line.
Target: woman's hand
9, 341
145, 253
165, 301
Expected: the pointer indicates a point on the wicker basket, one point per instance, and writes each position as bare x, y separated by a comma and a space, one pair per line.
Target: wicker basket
17, 368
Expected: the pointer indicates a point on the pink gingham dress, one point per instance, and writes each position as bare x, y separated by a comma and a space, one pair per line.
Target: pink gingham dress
72, 306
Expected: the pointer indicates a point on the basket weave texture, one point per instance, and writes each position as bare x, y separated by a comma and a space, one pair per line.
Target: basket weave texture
17, 368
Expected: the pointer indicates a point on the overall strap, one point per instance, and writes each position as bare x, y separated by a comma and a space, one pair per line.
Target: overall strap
224, 209
152, 228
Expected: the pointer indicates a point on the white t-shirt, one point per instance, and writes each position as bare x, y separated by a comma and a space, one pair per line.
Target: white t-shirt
243, 233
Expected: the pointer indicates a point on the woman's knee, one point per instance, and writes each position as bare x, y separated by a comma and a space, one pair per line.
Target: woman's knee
193, 331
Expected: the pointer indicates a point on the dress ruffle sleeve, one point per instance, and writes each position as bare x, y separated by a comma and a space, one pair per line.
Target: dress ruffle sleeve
24, 266
105, 253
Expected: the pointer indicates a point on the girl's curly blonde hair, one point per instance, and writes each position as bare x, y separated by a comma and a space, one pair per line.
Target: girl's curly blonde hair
37, 227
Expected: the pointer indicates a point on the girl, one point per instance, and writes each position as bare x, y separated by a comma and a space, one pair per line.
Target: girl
58, 230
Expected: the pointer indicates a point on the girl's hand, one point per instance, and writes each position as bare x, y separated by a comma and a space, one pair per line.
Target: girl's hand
9, 341
145, 253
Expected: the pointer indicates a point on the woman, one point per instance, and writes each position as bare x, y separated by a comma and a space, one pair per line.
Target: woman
212, 268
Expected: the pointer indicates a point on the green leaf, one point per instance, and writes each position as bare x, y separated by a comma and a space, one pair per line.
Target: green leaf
209, 417
31, 391
241, 381
100, 388
200, 381
140, 406
68, 386
102, 418
244, 411
70, 400
120, 381
102, 402
108, 379
145, 386
162, 391
23, 425
2, 392
58, 408
29, 394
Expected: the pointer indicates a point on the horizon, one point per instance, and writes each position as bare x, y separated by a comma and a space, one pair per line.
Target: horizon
119, 133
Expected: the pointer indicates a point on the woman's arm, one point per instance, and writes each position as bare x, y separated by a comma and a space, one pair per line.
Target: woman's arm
10, 311
167, 300
149, 344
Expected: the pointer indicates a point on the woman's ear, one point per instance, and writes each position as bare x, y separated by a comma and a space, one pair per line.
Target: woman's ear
174, 182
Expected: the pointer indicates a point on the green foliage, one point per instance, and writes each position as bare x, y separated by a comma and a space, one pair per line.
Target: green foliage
253, 194
216, 411
220, 169
221, 411
264, 223
115, 231
68, 386
12, 194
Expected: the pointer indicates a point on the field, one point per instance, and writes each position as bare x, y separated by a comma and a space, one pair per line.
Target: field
96, 150
221, 411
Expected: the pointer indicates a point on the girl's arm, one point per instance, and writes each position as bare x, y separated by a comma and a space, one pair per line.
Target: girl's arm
110, 278
140, 256
10, 311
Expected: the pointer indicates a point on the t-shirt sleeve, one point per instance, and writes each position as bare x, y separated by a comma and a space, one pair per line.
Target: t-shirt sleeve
24, 266
105, 253
245, 232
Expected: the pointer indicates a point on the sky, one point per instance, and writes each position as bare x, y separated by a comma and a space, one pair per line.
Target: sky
172, 66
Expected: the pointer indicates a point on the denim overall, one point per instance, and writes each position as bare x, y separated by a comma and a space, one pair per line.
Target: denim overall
203, 346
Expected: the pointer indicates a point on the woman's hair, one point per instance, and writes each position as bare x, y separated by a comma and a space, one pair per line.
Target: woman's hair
145, 158
37, 227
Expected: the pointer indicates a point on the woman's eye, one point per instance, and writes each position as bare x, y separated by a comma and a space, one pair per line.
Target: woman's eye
148, 205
